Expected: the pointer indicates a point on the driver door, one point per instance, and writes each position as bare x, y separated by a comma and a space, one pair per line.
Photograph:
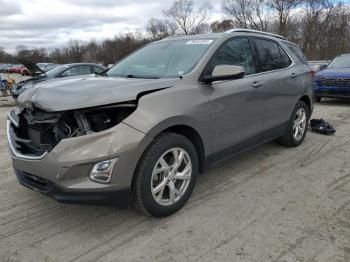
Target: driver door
237, 106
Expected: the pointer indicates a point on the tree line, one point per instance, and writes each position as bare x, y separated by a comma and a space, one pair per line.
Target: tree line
320, 27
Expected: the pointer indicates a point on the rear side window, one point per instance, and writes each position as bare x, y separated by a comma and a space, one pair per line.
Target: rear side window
286, 60
297, 52
271, 55
234, 52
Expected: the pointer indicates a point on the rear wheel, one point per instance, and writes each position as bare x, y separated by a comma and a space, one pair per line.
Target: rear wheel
297, 126
165, 176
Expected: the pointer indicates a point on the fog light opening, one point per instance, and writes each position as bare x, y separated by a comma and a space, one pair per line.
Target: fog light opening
102, 171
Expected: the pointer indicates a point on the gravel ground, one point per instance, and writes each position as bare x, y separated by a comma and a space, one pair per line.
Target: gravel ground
269, 204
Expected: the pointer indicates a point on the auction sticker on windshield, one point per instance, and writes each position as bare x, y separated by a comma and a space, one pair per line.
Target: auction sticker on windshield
199, 42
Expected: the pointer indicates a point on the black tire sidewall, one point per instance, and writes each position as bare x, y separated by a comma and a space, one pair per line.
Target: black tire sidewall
168, 142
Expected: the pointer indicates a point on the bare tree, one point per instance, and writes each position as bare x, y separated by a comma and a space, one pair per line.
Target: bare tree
320, 27
251, 14
314, 21
283, 9
2, 54
190, 20
160, 28
217, 26
335, 37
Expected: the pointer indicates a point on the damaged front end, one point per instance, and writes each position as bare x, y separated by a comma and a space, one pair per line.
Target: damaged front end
32, 132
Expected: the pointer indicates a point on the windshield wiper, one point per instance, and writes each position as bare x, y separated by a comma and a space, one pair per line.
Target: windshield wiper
132, 76
140, 76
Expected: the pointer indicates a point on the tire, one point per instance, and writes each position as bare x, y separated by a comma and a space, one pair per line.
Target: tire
318, 99
289, 139
148, 178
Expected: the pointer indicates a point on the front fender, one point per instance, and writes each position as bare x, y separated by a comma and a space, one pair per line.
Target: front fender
161, 110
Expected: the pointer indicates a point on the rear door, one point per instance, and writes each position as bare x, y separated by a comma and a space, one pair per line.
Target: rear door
236, 105
281, 83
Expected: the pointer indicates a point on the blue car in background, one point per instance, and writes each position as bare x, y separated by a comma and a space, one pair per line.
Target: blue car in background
334, 80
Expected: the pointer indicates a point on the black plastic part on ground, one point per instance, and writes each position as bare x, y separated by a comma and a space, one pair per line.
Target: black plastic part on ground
322, 127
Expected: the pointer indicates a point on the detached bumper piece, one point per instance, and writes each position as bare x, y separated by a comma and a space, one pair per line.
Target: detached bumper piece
322, 127
118, 198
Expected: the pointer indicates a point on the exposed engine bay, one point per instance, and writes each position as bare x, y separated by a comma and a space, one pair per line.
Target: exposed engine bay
39, 131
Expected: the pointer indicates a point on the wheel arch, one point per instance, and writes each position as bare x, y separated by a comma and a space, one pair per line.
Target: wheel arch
307, 101
187, 128
191, 134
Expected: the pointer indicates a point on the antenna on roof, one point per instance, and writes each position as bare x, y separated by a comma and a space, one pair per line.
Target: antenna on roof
243, 30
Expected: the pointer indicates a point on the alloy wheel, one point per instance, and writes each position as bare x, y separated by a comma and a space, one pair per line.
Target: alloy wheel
171, 176
299, 125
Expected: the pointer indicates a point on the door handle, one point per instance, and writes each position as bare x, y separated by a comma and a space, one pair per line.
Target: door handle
257, 84
293, 75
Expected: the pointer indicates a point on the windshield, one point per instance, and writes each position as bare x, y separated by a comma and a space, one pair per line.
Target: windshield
162, 59
340, 62
56, 70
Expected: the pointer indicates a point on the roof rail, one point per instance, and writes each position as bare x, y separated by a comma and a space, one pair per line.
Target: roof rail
243, 30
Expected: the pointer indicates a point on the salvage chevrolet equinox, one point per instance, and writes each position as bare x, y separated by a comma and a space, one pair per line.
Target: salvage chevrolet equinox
143, 131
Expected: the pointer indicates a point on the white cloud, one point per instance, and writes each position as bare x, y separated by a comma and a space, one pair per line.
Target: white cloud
8, 8
51, 23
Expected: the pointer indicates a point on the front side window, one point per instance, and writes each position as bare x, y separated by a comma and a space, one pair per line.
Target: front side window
78, 70
171, 58
269, 54
234, 52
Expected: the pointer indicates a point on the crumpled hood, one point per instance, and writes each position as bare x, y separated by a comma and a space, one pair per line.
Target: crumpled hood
334, 72
84, 92
33, 80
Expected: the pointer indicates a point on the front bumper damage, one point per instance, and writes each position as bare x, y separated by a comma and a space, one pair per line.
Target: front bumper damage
117, 197
62, 172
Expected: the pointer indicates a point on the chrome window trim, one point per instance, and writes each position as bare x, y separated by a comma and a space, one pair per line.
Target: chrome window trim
262, 73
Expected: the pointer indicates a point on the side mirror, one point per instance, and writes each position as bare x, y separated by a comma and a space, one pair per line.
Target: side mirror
225, 72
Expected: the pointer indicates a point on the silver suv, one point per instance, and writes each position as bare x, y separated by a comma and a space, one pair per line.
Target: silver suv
144, 130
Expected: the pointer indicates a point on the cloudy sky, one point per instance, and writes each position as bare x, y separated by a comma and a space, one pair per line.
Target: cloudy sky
50, 23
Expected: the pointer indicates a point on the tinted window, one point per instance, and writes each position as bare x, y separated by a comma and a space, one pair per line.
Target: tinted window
297, 52
286, 60
77, 70
234, 52
97, 70
269, 55
56, 71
